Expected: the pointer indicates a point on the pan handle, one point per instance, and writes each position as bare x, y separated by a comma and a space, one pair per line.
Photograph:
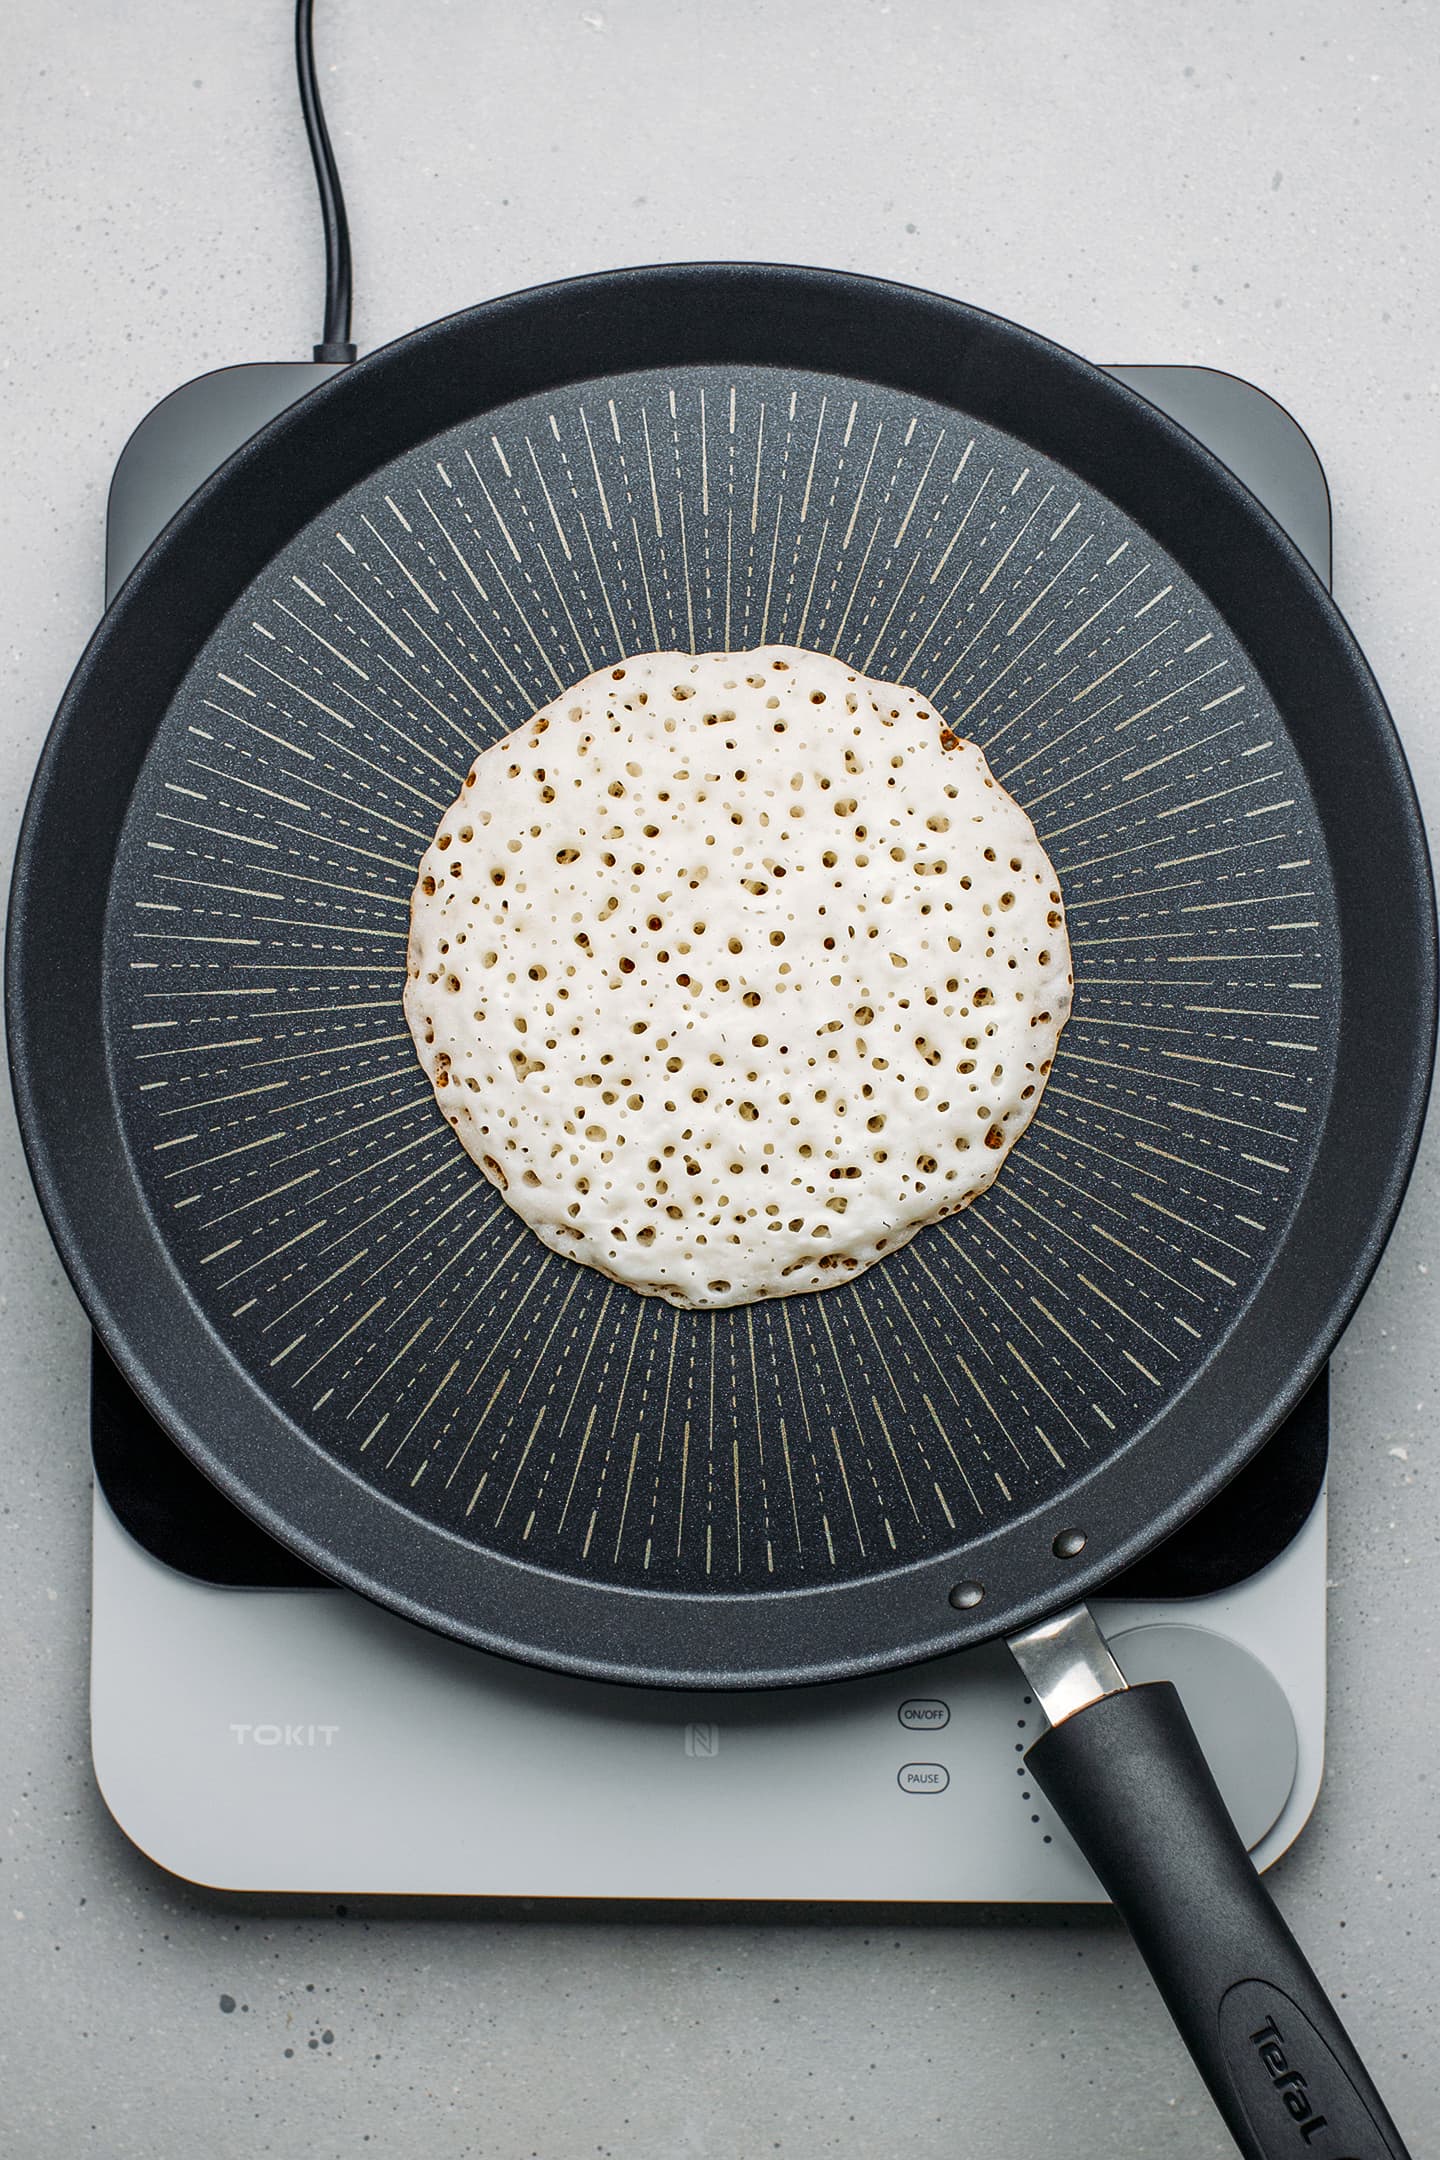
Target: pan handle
1124, 1772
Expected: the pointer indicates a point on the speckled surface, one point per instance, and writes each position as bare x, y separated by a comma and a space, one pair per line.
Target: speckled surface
1248, 186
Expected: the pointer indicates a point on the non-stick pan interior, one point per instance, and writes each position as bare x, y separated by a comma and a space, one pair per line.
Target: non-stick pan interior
350, 1256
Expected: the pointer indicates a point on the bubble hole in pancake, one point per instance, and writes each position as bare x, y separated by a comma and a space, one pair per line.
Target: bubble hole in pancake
734, 971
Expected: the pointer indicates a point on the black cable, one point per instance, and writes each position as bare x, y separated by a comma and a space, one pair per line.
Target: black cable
335, 337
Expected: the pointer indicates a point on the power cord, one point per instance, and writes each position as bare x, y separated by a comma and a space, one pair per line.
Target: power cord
335, 342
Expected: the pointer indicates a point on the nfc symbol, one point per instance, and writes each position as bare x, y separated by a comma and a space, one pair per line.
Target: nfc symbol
702, 1740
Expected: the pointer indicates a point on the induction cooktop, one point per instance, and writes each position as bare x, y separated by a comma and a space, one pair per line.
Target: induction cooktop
256, 1728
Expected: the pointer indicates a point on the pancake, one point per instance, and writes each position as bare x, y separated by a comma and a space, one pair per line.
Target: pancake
734, 971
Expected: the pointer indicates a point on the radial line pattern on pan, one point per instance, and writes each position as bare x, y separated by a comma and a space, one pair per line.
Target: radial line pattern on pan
321, 1209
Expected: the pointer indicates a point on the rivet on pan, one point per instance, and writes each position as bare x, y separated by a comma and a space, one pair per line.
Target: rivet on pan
966, 1594
1068, 1544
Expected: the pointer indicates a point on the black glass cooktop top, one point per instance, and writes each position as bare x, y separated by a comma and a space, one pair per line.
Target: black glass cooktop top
171, 1509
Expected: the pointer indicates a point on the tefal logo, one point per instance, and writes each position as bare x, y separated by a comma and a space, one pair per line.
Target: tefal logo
290, 1736
1288, 2082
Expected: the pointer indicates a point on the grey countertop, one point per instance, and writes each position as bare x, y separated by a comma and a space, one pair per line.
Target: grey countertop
1248, 185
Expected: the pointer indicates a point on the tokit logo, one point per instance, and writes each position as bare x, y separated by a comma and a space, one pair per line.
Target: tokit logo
288, 1736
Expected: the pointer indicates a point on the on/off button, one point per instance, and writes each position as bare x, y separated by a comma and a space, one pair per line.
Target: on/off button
923, 1713
923, 1777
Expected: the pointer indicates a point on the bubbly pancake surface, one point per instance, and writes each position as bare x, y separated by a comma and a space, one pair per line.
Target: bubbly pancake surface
734, 971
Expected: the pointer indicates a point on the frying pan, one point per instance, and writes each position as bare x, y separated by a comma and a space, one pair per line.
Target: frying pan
332, 1313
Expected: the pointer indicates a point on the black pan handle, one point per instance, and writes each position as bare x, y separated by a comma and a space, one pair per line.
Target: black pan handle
1126, 1777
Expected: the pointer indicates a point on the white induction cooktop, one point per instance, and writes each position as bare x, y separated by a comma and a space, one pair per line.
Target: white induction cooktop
290, 1739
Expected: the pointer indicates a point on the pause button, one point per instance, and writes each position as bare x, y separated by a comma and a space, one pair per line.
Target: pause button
923, 1777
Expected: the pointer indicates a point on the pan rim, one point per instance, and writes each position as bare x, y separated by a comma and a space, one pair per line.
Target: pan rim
754, 1638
